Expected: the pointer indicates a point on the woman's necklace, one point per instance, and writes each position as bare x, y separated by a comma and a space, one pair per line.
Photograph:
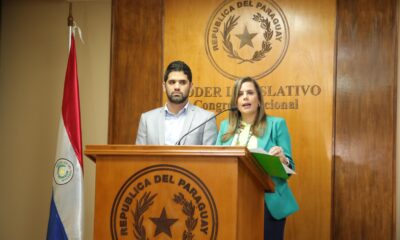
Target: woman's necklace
239, 132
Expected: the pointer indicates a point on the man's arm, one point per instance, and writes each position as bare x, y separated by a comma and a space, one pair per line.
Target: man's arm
141, 137
210, 133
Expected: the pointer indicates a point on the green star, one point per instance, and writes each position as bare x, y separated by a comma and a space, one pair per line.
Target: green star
245, 37
163, 224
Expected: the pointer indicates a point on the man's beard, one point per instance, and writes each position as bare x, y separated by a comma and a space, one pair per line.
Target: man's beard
177, 99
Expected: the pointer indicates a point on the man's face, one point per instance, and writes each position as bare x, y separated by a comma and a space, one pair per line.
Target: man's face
177, 87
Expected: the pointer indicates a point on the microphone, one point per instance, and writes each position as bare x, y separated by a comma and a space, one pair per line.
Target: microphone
232, 109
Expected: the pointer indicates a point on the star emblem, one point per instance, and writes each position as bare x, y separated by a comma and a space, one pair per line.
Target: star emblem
163, 223
245, 37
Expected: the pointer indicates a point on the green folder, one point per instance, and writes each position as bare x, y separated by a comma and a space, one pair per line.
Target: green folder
271, 164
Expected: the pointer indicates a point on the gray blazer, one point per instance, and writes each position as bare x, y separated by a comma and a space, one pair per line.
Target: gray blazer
152, 125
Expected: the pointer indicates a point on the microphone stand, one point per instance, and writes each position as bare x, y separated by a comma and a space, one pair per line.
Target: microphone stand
229, 109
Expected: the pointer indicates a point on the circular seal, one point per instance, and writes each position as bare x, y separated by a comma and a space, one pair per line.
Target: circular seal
63, 171
165, 201
247, 38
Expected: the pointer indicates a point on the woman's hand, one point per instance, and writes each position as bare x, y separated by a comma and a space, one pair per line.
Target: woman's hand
278, 151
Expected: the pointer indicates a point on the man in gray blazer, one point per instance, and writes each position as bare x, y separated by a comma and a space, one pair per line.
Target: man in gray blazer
167, 125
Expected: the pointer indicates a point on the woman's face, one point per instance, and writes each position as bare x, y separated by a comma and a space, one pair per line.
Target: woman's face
248, 102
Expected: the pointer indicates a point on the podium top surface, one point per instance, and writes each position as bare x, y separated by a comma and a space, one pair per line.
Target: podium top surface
92, 151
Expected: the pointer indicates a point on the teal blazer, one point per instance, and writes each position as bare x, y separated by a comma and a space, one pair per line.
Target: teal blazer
280, 203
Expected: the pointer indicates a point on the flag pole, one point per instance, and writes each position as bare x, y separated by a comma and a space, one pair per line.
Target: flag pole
70, 24
66, 207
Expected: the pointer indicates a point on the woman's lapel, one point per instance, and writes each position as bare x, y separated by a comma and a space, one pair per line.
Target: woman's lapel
263, 141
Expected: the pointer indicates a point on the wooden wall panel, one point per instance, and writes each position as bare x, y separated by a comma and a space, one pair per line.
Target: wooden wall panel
363, 200
364, 177
309, 62
136, 65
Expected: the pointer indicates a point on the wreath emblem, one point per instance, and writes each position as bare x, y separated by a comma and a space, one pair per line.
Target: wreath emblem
258, 55
188, 209
151, 201
144, 203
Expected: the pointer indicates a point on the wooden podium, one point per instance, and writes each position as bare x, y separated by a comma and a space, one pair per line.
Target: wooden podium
178, 192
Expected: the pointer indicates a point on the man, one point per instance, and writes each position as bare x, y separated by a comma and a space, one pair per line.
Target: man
168, 124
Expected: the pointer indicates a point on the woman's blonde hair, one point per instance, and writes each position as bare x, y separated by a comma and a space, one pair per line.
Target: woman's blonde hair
259, 125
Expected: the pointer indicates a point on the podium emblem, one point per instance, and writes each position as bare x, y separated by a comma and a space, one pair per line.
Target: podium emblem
247, 38
164, 202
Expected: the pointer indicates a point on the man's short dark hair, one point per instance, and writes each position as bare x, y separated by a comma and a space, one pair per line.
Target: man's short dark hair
178, 66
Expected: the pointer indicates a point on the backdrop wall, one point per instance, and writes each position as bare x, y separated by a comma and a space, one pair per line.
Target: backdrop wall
364, 105
34, 52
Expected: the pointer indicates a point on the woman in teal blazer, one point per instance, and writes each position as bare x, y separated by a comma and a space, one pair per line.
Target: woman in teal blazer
251, 127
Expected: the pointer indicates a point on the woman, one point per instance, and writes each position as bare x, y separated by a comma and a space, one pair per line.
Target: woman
251, 127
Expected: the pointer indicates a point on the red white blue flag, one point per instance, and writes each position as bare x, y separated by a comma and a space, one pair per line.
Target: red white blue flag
66, 208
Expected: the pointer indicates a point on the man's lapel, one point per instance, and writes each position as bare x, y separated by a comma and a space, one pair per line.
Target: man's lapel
161, 126
188, 123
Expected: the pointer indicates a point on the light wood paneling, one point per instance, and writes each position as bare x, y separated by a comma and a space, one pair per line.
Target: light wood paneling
364, 186
305, 76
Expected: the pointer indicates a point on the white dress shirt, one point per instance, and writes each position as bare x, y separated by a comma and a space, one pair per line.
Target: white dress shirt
174, 124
